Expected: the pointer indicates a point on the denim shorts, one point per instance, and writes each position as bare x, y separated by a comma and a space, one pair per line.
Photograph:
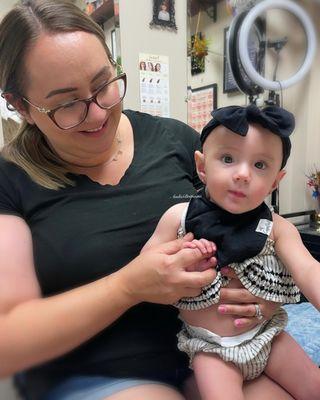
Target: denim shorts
94, 387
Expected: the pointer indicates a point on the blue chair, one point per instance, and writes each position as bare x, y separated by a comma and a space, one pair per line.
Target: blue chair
304, 327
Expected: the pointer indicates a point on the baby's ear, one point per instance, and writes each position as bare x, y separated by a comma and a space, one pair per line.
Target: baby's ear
279, 176
199, 159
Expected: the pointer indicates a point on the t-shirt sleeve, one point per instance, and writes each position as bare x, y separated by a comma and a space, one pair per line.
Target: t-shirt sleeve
9, 197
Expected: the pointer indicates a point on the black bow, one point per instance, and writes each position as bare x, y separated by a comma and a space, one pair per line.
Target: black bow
236, 118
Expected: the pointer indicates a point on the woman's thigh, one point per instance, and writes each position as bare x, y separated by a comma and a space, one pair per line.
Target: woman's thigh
153, 391
101, 388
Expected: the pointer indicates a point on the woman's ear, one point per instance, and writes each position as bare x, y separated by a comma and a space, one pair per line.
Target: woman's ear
16, 103
275, 184
199, 159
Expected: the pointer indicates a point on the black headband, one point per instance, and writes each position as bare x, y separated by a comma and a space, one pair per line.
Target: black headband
236, 118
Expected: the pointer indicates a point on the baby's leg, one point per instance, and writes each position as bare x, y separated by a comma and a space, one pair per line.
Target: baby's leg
217, 379
290, 366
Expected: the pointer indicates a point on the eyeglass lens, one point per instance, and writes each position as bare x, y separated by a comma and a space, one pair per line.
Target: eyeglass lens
73, 114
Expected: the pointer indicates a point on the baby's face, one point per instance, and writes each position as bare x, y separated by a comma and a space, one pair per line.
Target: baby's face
240, 171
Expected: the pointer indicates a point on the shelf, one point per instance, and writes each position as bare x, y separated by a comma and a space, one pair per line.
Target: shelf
103, 13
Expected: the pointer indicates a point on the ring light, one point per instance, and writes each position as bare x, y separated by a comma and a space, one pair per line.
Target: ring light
248, 21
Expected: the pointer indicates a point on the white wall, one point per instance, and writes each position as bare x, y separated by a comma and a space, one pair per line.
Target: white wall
6, 5
137, 37
301, 99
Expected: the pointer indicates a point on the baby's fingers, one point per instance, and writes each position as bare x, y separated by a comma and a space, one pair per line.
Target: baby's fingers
205, 246
210, 246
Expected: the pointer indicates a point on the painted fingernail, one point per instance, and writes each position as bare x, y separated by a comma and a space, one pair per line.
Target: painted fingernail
222, 309
238, 323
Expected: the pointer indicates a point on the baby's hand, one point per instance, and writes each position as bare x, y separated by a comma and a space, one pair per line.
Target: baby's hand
205, 247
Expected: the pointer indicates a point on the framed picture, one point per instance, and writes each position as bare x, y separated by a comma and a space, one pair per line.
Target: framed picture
163, 15
201, 101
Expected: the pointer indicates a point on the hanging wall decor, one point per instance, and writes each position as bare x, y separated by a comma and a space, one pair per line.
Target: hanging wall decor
198, 50
163, 15
201, 102
198, 47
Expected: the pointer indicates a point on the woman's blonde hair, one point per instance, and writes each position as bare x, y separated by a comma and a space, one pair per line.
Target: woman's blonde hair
19, 30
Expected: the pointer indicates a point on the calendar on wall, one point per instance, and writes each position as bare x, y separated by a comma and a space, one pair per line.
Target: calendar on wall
201, 101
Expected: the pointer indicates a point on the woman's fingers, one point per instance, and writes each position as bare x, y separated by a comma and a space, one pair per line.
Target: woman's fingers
268, 308
160, 275
246, 314
205, 264
188, 237
241, 302
187, 258
245, 322
171, 247
233, 295
244, 310
247, 311
198, 280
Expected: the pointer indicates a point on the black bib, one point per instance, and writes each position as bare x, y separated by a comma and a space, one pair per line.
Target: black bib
235, 235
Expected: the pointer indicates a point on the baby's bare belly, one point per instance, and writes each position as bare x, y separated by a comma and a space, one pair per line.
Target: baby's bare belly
209, 318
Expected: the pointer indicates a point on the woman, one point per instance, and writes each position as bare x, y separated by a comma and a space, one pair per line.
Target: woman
82, 187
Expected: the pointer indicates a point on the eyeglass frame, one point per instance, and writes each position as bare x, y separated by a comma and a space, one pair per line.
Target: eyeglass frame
93, 99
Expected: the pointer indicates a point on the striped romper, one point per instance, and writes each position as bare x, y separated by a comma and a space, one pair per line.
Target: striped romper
262, 274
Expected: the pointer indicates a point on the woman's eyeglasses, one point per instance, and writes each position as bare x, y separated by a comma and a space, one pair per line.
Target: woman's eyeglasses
72, 114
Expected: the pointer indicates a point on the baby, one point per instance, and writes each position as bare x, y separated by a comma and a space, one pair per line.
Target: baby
244, 151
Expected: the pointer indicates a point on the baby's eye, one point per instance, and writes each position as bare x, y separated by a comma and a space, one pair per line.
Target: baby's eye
260, 165
227, 159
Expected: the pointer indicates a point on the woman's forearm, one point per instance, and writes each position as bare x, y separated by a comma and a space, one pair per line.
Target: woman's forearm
42, 329
38, 330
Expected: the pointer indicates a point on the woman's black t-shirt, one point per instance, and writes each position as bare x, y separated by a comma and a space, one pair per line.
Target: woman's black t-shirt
85, 232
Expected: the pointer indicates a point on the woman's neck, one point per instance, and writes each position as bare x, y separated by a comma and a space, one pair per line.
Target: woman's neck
111, 165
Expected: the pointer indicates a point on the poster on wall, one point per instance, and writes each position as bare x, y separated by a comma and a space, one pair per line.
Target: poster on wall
154, 84
201, 101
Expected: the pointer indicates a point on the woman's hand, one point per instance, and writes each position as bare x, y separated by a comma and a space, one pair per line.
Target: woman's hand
241, 303
160, 274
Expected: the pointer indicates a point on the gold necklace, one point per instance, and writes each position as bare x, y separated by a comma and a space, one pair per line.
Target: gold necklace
117, 154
